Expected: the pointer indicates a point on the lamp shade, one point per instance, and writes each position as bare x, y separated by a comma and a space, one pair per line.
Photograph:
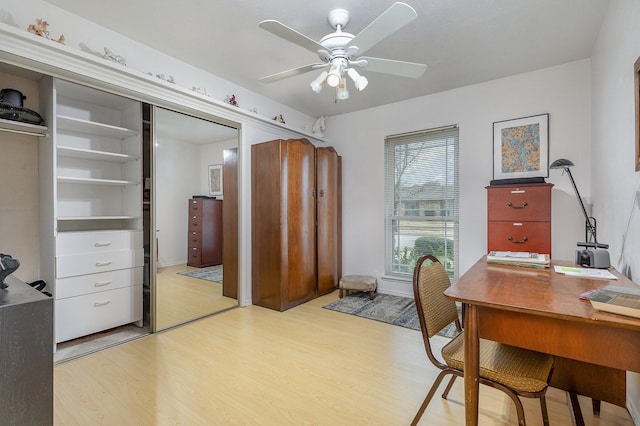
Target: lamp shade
561, 163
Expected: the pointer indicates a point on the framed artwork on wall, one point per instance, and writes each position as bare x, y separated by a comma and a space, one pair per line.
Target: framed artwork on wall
636, 71
215, 179
521, 148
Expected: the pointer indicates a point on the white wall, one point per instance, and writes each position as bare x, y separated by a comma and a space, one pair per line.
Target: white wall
19, 189
562, 91
616, 184
212, 154
176, 179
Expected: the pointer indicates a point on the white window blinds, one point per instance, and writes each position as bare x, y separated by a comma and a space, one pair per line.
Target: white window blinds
421, 199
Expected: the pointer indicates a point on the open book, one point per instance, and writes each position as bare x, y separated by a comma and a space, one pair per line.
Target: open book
520, 258
617, 299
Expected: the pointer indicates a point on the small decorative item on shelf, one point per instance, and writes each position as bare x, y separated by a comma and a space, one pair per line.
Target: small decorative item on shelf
162, 77
318, 127
8, 265
40, 28
254, 110
201, 91
108, 54
279, 118
231, 100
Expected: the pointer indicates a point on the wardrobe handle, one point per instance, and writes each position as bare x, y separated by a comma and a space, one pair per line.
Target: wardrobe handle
102, 244
105, 263
101, 283
103, 303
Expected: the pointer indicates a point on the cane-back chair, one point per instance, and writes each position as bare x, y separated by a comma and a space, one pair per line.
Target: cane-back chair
513, 370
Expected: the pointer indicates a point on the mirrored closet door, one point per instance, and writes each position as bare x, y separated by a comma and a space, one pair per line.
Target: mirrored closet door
190, 161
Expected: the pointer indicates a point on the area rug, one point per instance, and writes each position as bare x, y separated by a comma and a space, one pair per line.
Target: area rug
387, 308
210, 273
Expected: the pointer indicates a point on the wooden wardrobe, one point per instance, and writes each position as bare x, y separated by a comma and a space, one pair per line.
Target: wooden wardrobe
295, 208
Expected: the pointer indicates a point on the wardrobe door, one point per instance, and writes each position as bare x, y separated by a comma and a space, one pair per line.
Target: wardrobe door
267, 241
283, 223
327, 190
300, 220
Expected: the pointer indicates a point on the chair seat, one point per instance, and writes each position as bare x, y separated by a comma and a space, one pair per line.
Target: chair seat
517, 368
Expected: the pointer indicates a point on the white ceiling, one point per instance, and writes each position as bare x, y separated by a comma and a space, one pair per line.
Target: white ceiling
462, 41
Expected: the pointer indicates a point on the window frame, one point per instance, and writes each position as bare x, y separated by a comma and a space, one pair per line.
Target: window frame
442, 137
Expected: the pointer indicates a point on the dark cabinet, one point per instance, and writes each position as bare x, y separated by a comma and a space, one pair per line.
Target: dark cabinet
205, 232
295, 222
26, 355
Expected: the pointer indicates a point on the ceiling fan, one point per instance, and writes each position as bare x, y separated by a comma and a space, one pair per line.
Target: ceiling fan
340, 51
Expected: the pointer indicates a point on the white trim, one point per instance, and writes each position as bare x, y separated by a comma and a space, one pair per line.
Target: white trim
26, 50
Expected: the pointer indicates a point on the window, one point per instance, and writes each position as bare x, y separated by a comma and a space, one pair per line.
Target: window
421, 199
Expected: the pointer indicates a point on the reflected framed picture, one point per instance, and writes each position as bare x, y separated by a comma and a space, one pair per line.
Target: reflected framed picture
521, 147
636, 70
215, 179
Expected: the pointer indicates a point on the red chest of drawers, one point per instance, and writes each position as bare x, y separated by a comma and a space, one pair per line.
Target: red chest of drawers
519, 218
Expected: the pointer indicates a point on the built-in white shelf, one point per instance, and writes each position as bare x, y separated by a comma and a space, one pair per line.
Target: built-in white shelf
91, 127
84, 218
23, 128
89, 154
92, 181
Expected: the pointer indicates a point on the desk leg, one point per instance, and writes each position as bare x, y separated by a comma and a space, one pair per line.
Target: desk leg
471, 365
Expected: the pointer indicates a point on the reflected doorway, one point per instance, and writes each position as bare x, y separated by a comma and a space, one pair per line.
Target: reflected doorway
188, 166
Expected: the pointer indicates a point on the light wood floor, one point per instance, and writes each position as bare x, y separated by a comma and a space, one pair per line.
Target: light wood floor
255, 366
181, 298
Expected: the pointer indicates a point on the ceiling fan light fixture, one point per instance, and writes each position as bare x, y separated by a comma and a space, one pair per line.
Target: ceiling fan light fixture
318, 83
335, 75
359, 81
342, 93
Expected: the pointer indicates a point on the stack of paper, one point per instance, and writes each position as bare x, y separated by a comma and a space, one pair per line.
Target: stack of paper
519, 258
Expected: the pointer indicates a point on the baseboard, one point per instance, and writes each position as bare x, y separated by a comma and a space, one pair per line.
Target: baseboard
634, 410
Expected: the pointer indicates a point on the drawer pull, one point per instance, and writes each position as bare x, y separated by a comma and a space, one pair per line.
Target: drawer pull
105, 263
524, 204
102, 244
518, 191
101, 283
103, 303
523, 240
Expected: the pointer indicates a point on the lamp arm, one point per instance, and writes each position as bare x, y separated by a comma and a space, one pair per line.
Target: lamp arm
589, 223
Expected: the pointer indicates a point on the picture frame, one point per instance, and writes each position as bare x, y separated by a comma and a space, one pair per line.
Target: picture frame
215, 179
521, 148
636, 71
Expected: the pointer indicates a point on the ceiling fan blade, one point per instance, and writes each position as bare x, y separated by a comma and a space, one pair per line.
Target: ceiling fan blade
289, 34
391, 20
290, 73
391, 66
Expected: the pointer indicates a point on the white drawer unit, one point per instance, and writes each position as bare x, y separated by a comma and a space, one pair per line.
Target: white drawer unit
82, 315
97, 241
92, 249
92, 263
94, 283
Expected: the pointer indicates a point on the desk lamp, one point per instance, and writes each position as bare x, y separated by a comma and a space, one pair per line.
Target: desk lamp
590, 258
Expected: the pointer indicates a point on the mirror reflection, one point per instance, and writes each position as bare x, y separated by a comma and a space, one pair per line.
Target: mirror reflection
190, 216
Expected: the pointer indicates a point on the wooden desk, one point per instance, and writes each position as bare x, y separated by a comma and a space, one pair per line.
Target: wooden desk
539, 309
